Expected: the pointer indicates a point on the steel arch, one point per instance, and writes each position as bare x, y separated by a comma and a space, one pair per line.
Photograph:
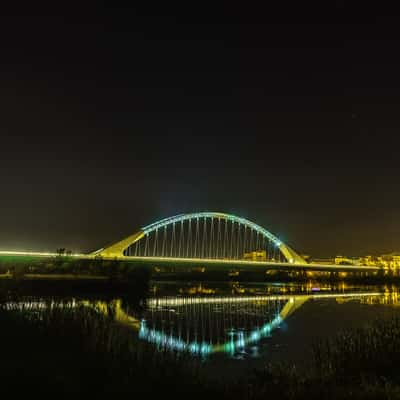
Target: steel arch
117, 249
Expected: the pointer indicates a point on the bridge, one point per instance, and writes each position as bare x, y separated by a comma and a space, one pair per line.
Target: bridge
204, 235
212, 238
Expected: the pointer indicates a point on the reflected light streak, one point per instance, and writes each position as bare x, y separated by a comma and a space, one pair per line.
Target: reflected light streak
156, 302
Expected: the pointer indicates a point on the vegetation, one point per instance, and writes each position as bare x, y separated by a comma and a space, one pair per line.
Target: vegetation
78, 278
64, 349
75, 350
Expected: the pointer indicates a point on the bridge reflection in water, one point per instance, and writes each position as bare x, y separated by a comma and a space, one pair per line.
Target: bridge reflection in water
211, 324
207, 325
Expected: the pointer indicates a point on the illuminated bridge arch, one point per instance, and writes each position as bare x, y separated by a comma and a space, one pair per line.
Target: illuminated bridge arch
204, 235
205, 342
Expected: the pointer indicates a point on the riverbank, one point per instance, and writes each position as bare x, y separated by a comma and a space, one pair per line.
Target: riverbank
64, 268
132, 283
29, 267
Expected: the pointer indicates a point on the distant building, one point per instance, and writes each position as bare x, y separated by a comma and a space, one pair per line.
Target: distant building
390, 261
386, 261
342, 260
370, 261
322, 261
256, 255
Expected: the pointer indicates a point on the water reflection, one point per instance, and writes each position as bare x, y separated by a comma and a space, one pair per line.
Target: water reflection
233, 325
207, 320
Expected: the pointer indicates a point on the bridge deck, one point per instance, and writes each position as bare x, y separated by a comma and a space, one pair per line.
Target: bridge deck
177, 262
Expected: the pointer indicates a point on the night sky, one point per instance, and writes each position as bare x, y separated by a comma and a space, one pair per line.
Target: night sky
112, 118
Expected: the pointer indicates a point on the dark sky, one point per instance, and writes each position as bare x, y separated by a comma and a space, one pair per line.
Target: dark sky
111, 118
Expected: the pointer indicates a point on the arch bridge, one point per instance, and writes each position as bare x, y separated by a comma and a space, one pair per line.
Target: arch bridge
203, 236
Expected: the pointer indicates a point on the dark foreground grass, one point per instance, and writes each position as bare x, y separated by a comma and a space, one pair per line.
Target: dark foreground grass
66, 350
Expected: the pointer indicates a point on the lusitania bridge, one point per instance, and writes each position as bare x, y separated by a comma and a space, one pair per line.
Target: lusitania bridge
206, 238
204, 235
211, 237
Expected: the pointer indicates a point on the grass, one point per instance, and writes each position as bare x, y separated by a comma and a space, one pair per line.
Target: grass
20, 259
75, 350
353, 364
361, 353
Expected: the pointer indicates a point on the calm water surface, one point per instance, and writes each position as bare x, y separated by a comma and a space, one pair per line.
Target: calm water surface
234, 327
